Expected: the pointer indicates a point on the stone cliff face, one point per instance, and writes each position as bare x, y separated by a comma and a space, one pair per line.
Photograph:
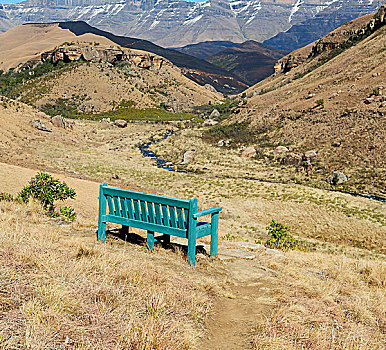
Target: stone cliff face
97, 54
174, 23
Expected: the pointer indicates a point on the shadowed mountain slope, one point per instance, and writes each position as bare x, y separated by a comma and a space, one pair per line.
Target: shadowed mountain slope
251, 60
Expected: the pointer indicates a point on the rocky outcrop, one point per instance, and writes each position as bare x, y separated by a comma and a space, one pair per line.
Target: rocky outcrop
90, 53
341, 38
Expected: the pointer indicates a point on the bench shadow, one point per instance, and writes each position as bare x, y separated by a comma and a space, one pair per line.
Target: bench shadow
136, 239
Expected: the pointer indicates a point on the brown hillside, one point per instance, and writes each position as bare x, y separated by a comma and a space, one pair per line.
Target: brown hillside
337, 109
144, 79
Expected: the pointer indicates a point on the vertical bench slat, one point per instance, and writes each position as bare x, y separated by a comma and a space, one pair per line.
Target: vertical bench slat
123, 206
130, 209
181, 222
165, 215
186, 212
173, 217
158, 215
111, 206
144, 211
137, 211
118, 211
150, 210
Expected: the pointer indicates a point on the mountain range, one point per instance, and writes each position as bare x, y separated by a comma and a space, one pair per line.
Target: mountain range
176, 23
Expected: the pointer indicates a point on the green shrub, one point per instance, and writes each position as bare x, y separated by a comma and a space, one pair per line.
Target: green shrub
47, 190
280, 237
6, 197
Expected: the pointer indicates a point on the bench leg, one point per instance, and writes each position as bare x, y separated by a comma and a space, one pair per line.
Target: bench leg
214, 235
101, 231
150, 239
192, 248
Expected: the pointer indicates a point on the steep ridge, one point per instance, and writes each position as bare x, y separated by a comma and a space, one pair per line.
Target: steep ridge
174, 23
198, 70
314, 27
333, 103
205, 49
251, 60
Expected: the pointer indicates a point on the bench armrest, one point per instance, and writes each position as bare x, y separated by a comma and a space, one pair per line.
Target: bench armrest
207, 212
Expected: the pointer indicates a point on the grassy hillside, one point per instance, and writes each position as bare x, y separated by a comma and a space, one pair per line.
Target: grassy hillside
332, 103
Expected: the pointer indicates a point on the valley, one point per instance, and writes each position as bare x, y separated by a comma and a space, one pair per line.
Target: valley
294, 149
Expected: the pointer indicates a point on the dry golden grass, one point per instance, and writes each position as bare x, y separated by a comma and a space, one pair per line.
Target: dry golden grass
325, 301
60, 289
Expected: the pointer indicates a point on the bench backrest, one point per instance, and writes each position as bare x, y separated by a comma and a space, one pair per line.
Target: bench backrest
147, 211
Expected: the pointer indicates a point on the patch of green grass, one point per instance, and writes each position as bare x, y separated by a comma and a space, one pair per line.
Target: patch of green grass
130, 114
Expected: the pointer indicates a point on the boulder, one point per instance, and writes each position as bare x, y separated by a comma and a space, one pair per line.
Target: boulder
310, 154
336, 178
38, 124
215, 114
58, 121
209, 122
120, 123
61, 122
188, 157
292, 159
280, 150
249, 152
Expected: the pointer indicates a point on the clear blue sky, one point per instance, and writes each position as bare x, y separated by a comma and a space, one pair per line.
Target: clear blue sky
13, 1
9, 1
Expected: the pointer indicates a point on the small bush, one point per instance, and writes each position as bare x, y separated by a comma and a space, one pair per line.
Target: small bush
320, 103
47, 190
280, 237
6, 197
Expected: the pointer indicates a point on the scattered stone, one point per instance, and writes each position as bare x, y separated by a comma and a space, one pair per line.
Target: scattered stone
249, 152
310, 154
116, 177
221, 143
58, 121
337, 144
61, 122
336, 178
37, 124
209, 122
215, 114
250, 246
120, 123
188, 157
292, 159
369, 100
279, 150
335, 94
105, 120
310, 96
376, 74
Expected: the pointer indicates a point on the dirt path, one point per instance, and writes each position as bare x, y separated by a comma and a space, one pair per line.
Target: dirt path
236, 315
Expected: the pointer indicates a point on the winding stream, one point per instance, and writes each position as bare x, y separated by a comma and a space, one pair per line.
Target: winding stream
162, 164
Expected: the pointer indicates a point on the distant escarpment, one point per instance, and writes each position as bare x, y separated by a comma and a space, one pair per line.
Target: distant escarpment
335, 42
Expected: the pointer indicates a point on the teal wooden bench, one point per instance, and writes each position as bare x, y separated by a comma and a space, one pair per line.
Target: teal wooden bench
154, 213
